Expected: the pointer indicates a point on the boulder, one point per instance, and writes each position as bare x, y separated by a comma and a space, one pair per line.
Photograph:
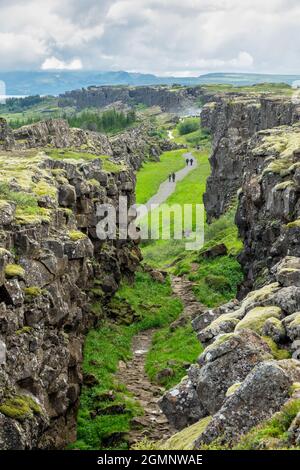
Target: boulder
227, 361
181, 405
262, 393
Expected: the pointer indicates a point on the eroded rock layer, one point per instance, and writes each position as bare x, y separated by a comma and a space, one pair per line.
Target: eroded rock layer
250, 368
56, 275
232, 119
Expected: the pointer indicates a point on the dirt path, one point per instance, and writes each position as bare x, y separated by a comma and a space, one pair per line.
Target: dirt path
153, 423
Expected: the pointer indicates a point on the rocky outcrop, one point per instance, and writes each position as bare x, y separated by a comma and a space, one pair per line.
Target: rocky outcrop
232, 119
268, 212
133, 146
245, 373
56, 276
250, 367
169, 99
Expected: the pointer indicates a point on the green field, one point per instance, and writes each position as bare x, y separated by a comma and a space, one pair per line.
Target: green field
153, 174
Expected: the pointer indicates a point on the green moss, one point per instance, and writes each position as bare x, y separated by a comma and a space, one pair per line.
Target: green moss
20, 407
284, 185
173, 350
76, 235
184, 440
273, 432
33, 291
255, 318
14, 270
294, 224
277, 353
234, 387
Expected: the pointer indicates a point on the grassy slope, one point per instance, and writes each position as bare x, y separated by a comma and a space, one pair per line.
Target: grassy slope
154, 173
215, 280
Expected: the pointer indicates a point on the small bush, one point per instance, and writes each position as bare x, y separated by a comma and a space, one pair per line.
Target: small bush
188, 125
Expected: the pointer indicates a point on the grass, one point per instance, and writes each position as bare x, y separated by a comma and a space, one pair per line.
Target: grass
173, 350
99, 426
190, 190
153, 174
77, 156
273, 432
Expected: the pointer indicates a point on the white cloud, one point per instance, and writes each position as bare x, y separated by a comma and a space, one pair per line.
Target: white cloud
52, 63
162, 36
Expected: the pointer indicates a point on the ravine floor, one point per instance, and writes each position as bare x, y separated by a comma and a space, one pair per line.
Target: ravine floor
153, 425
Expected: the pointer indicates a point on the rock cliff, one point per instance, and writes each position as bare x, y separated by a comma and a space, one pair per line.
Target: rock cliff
250, 367
56, 276
169, 99
232, 119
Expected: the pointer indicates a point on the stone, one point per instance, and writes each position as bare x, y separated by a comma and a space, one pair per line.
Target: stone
227, 361
262, 393
181, 405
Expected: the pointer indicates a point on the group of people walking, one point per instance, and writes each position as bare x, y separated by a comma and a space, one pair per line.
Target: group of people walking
172, 176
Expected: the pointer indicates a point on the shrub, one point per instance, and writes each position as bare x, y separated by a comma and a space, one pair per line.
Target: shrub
188, 125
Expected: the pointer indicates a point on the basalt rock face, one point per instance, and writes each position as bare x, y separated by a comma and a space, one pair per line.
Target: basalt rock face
133, 146
268, 213
233, 119
250, 366
50, 258
171, 100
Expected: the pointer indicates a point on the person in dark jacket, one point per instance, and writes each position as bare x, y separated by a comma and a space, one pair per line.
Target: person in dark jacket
187, 162
173, 177
191, 161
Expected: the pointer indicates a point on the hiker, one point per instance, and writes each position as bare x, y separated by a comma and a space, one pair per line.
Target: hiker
187, 162
173, 177
191, 161
170, 178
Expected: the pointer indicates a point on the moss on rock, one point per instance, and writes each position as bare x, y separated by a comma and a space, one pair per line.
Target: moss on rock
233, 388
254, 320
14, 270
20, 407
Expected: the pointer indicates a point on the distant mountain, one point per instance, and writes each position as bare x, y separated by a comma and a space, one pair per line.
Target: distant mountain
54, 83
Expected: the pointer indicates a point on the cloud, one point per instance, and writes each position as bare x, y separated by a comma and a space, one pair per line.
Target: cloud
52, 63
160, 36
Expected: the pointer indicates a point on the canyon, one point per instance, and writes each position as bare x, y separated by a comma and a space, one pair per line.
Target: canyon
57, 279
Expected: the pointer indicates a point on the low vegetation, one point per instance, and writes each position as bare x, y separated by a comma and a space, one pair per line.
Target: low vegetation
108, 122
153, 174
189, 125
106, 406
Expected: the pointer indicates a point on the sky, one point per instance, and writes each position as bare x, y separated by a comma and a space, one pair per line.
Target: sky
164, 37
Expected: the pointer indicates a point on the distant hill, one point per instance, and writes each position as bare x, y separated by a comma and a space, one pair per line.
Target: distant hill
54, 83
